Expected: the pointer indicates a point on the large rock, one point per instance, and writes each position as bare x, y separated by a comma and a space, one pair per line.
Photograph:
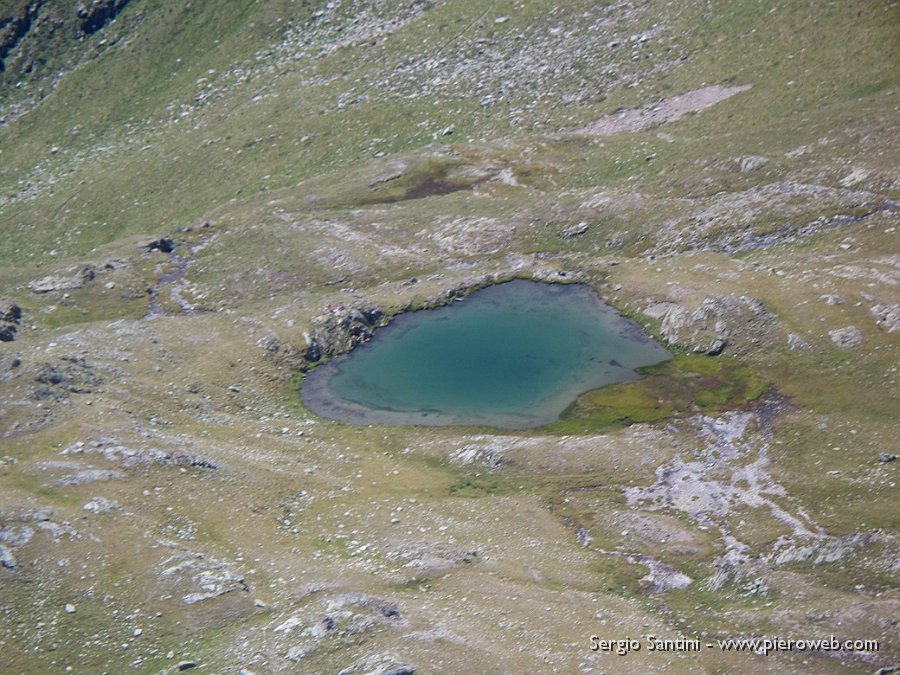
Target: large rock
716, 322
13, 537
7, 559
10, 316
797, 343
10, 311
9, 366
887, 317
89, 476
848, 337
573, 231
162, 244
747, 164
101, 505
64, 282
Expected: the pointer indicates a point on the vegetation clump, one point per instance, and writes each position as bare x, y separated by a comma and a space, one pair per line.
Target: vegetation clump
687, 384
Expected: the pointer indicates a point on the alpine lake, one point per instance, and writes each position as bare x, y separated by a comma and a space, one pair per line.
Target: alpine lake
511, 356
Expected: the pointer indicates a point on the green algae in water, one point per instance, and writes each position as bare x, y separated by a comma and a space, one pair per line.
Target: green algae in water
513, 355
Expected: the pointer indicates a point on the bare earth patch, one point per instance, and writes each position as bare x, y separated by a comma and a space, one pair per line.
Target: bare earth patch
667, 110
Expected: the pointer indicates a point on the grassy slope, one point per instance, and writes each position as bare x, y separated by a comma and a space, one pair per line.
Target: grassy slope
119, 102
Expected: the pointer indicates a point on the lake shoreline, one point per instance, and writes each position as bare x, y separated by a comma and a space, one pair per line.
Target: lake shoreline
538, 305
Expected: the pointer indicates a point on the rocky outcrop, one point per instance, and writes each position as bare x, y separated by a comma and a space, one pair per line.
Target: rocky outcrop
7, 559
887, 317
661, 112
95, 14
88, 476
748, 164
379, 664
573, 231
848, 337
69, 281
41, 41
202, 577
19, 18
14, 25
10, 317
797, 343
827, 550
341, 330
716, 322
424, 559
101, 505
113, 451
10, 311
492, 456
162, 244
69, 375
12, 537
284, 355
348, 617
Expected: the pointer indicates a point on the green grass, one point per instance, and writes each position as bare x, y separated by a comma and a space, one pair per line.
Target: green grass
617, 575
119, 100
717, 613
484, 485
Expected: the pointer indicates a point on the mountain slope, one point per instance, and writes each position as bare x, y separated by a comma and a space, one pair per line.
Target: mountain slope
197, 200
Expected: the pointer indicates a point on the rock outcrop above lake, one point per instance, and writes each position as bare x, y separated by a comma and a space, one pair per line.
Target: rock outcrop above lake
341, 330
717, 322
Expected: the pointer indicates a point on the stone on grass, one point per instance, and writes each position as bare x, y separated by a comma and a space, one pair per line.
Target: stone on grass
848, 337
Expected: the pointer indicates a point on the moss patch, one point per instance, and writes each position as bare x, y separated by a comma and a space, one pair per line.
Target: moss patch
686, 384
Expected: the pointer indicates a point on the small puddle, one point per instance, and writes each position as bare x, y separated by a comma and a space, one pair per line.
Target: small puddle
513, 355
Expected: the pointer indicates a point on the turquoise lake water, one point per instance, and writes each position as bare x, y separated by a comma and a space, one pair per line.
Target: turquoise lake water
513, 355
